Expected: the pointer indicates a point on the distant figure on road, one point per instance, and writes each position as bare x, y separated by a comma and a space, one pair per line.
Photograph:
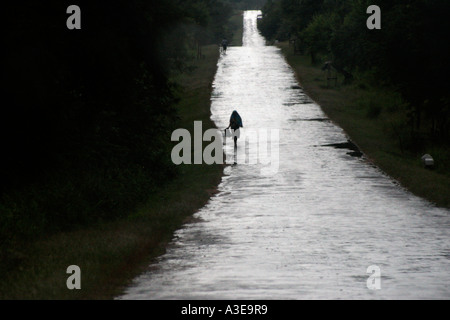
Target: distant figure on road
235, 124
224, 45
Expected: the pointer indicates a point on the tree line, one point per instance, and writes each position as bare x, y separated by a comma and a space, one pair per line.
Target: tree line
409, 54
87, 114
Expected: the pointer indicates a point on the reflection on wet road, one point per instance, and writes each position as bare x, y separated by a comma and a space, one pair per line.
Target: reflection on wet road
311, 229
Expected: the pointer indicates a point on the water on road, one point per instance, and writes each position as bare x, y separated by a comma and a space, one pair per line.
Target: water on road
311, 228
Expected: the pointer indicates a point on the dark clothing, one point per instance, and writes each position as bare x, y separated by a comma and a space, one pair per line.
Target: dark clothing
236, 121
224, 45
234, 124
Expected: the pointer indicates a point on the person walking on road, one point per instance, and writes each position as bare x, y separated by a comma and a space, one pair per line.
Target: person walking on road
235, 125
224, 45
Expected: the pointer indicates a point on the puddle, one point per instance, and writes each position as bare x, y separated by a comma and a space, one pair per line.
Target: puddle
349, 145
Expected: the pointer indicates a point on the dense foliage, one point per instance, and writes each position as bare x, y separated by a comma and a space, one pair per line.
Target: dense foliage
87, 114
409, 54
247, 4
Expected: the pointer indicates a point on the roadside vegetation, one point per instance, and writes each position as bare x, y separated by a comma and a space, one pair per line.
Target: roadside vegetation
391, 93
87, 177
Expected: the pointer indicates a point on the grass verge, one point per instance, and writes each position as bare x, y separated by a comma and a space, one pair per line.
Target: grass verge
236, 24
111, 254
370, 117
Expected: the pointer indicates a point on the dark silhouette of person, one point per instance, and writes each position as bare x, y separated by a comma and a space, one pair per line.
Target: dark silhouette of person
235, 124
224, 45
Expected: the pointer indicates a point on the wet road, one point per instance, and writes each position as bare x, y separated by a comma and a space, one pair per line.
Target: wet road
310, 227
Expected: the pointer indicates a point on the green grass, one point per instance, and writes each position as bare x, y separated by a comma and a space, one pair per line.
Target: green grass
237, 27
371, 116
111, 254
